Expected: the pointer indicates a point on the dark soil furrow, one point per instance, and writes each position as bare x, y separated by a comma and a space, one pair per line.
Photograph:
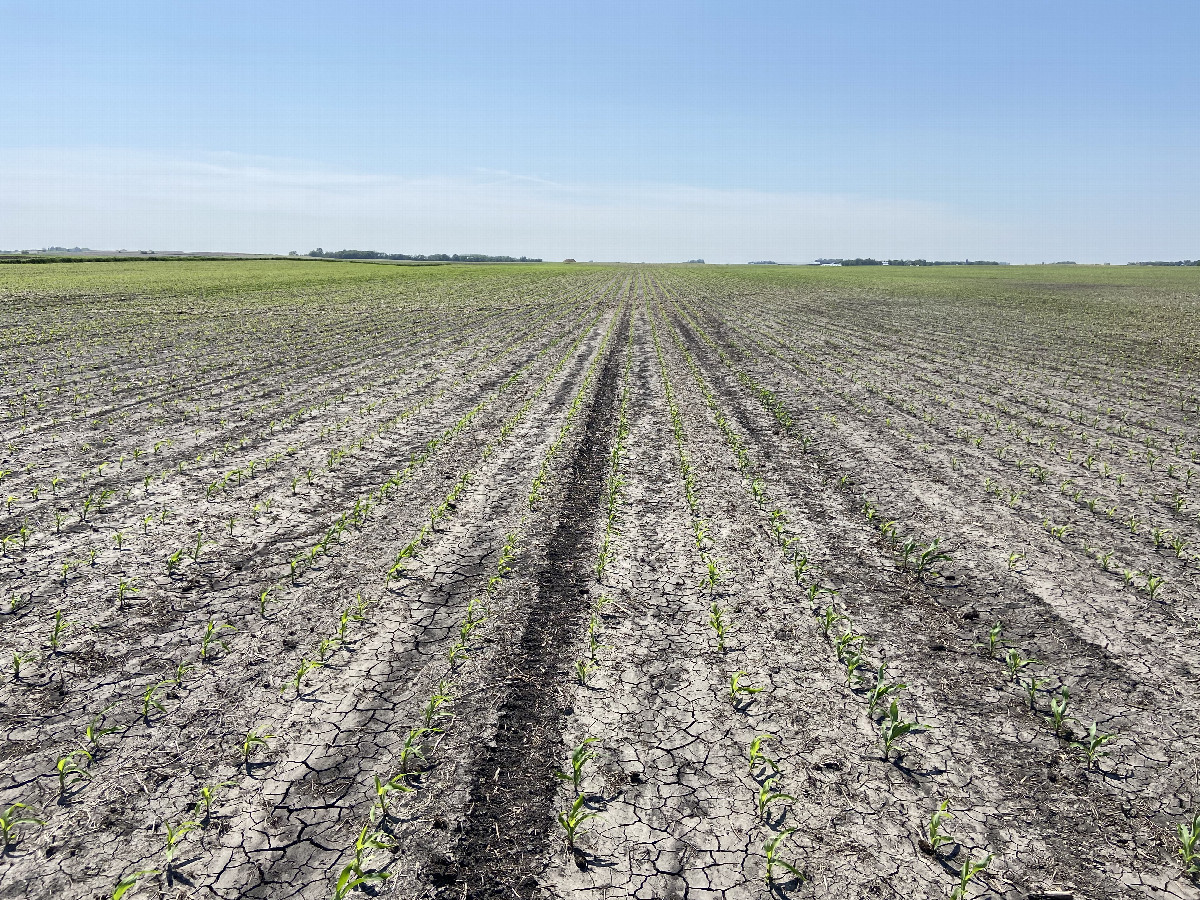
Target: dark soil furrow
507, 828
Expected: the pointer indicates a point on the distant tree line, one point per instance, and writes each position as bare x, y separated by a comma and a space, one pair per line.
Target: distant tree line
763, 262
859, 261
418, 257
1182, 262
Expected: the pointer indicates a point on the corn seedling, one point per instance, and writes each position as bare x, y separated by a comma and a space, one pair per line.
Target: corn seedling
1032, 686
129, 882
968, 871
1015, 660
830, 617
935, 836
150, 700
94, 731
1189, 844
60, 627
995, 636
175, 836
1154, 585
799, 566
768, 795
1093, 743
853, 661
716, 620
737, 690
758, 759
412, 749
250, 744
296, 682
579, 758
895, 729
174, 560
882, 689
712, 575
211, 637
13, 820
1059, 707
772, 848
20, 660
70, 772
573, 819
208, 793
844, 644
383, 788
263, 599
583, 669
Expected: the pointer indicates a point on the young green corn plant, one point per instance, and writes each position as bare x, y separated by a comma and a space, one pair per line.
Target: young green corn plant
768, 795
351, 877
250, 744
906, 551
573, 819
60, 627
263, 599
853, 661
716, 620
1032, 686
583, 670
150, 700
1059, 707
895, 729
95, 732
846, 644
829, 618
1013, 558
1154, 585
995, 636
580, 757
130, 881
1189, 845
758, 759
70, 772
1093, 743
208, 793
296, 682
12, 820
383, 788
712, 575
175, 836
772, 849
433, 707
935, 836
968, 871
413, 750
930, 556
737, 690
799, 565
1015, 660
882, 689
211, 639
758, 490
174, 560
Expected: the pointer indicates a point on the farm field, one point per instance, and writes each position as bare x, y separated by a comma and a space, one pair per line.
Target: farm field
345, 580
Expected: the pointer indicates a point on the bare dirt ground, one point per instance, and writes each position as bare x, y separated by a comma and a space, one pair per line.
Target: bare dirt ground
313, 588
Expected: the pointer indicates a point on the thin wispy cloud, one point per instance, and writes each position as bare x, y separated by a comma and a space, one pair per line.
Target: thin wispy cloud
108, 199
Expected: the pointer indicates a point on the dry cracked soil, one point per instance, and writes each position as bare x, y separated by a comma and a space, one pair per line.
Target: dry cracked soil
598, 582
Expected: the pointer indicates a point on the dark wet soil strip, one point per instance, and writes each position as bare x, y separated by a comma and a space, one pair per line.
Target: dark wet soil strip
505, 835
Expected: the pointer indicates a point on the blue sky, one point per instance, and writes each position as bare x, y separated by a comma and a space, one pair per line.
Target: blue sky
1024, 131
